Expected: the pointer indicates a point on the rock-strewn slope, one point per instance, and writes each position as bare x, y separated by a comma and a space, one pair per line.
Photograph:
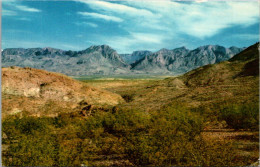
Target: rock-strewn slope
39, 91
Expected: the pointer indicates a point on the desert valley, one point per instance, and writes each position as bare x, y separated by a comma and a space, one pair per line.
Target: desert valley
130, 83
96, 107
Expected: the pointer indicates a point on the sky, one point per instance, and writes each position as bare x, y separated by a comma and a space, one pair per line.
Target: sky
129, 25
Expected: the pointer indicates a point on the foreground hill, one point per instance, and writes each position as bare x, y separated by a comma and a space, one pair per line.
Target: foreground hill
103, 60
41, 92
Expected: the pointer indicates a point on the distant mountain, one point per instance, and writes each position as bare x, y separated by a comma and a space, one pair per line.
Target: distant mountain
181, 60
135, 56
103, 60
94, 60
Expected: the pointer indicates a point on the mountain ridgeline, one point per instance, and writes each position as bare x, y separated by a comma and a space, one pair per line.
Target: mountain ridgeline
103, 60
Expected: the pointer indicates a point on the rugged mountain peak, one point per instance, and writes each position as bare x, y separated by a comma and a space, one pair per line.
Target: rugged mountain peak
135, 56
100, 59
181, 60
104, 60
100, 48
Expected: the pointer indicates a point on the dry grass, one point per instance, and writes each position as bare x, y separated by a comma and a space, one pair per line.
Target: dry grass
245, 143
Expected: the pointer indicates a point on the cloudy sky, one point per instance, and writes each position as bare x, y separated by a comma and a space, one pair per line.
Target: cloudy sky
129, 25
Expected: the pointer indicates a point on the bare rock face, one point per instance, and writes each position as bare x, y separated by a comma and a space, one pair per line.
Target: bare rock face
95, 60
135, 56
22, 87
181, 60
103, 60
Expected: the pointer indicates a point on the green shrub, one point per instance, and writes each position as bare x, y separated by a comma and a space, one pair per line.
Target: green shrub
244, 116
128, 97
168, 137
15, 126
37, 150
123, 122
171, 130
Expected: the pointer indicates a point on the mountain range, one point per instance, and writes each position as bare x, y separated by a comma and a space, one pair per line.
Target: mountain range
103, 60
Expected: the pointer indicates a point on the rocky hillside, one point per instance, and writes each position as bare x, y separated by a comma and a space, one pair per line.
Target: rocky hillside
103, 60
244, 65
181, 60
135, 56
235, 81
41, 92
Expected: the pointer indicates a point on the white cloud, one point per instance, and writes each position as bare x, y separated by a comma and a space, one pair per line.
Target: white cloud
216, 17
200, 1
170, 20
26, 8
11, 8
117, 8
68, 47
8, 12
86, 24
101, 16
200, 20
24, 19
148, 38
135, 41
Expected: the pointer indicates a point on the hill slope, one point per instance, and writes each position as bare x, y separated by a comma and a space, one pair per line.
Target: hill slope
233, 81
41, 92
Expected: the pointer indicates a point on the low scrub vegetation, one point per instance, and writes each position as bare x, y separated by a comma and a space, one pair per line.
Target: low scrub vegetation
170, 136
243, 116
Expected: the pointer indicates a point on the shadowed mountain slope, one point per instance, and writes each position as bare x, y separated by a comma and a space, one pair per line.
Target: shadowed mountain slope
181, 60
135, 56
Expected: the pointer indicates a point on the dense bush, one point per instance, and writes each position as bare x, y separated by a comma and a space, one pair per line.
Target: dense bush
128, 97
31, 151
244, 116
168, 137
170, 131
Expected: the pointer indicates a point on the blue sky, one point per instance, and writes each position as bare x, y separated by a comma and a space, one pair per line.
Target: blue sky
129, 25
